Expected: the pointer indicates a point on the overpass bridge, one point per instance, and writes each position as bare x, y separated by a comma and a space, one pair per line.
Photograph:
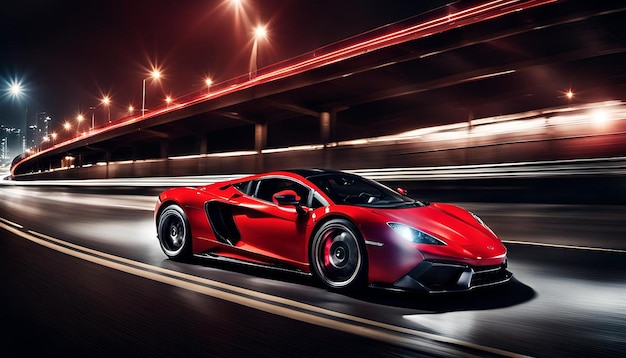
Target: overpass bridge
473, 83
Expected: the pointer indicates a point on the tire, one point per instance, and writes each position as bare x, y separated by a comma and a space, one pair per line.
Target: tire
338, 257
174, 233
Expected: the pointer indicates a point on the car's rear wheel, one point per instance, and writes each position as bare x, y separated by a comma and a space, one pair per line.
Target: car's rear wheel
173, 232
338, 256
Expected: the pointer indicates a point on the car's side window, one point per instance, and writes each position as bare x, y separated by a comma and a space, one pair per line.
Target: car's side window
268, 187
244, 187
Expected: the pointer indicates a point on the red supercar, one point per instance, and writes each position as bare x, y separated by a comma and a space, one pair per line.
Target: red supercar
346, 230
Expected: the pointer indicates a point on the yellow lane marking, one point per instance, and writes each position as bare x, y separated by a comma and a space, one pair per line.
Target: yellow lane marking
11, 223
274, 305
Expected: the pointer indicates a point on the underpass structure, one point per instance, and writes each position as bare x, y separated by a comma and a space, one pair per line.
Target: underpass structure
470, 84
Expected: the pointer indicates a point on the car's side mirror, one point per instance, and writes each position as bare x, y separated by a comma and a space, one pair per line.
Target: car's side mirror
286, 198
402, 191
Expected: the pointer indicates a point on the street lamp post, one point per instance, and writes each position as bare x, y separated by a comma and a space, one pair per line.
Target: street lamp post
208, 82
68, 127
16, 91
93, 117
155, 75
259, 33
107, 102
79, 118
569, 94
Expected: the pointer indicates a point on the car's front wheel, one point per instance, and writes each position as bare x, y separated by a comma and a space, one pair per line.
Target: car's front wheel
173, 233
338, 257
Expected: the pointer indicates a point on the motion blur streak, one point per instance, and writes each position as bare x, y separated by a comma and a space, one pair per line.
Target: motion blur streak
565, 167
136, 202
596, 166
590, 122
264, 302
564, 246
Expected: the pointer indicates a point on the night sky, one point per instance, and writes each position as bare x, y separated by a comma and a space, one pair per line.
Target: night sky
69, 54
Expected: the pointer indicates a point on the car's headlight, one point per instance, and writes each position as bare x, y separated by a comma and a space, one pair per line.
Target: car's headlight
414, 235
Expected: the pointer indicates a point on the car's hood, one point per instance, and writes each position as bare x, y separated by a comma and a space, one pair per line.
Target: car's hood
452, 224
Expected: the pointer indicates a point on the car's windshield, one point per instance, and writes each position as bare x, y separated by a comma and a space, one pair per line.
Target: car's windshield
351, 189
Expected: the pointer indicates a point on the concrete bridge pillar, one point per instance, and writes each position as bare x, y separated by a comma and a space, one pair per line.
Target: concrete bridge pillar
203, 143
107, 159
165, 153
327, 134
165, 148
260, 142
324, 127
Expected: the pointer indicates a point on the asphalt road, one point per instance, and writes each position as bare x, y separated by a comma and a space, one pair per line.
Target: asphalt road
82, 274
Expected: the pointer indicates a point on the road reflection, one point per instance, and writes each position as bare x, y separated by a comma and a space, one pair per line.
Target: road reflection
562, 301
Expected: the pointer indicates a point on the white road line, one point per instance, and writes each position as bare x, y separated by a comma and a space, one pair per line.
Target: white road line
11, 223
264, 302
586, 248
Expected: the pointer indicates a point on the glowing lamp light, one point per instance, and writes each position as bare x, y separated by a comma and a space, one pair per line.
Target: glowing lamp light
260, 32
208, 81
15, 89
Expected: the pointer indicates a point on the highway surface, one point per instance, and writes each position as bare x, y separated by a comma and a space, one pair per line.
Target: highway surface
82, 274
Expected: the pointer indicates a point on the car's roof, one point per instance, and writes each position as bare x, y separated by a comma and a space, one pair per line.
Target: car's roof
311, 172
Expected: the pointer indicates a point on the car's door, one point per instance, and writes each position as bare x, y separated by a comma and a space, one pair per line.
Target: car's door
268, 228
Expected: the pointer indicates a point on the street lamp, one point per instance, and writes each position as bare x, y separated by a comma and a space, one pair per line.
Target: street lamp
107, 101
260, 32
569, 95
208, 82
93, 115
131, 109
168, 100
15, 89
79, 118
155, 74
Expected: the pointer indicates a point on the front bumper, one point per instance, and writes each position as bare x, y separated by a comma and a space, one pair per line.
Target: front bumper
439, 277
